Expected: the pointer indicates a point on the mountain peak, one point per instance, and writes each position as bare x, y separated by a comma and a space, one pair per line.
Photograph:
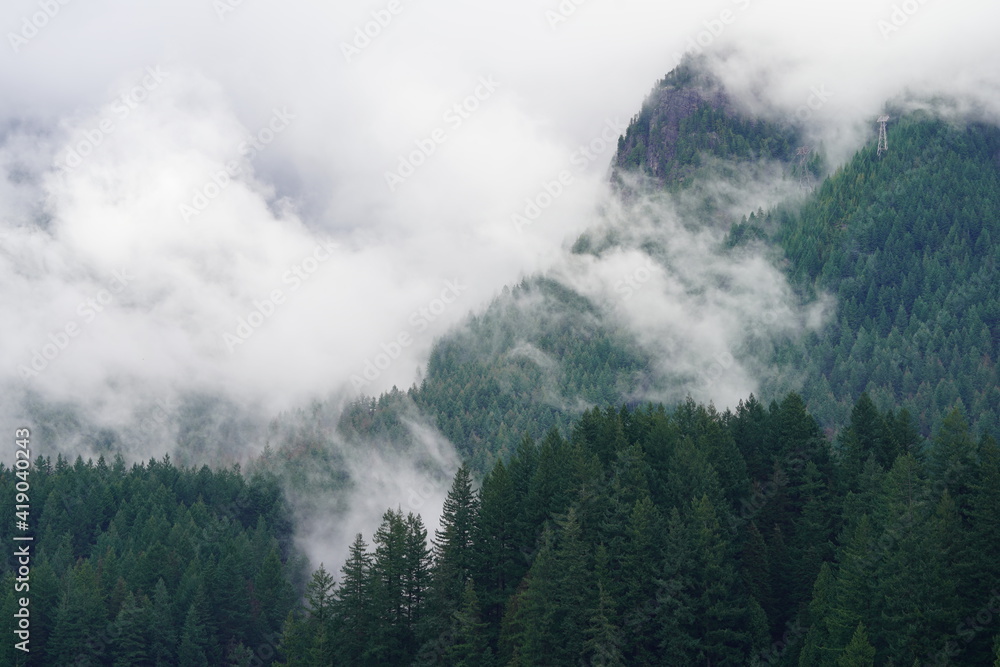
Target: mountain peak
689, 116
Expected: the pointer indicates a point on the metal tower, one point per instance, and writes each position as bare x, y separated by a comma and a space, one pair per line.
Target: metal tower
883, 141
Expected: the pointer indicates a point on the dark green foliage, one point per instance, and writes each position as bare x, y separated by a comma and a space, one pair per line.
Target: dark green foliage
471, 645
154, 564
859, 653
552, 613
744, 232
908, 245
495, 382
379, 613
80, 628
308, 638
453, 547
645, 534
131, 630
196, 644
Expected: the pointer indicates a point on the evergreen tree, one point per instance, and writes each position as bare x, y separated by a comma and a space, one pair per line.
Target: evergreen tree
309, 640
45, 595
193, 649
756, 567
853, 598
453, 546
470, 647
162, 632
750, 433
388, 590
641, 562
954, 456
273, 594
353, 606
603, 645
320, 598
817, 649
8, 607
230, 597
497, 561
79, 631
712, 623
864, 438
978, 578
674, 609
399, 580
914, 590
131, 634
859, 652
418, 578
813, 530
549, 618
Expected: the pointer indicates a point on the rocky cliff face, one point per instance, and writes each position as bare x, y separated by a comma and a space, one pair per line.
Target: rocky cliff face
687, 116
650, 143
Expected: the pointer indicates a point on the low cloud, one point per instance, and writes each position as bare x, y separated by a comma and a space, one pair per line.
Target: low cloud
695, 306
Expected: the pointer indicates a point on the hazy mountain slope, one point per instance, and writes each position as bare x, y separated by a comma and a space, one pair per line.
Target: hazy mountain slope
908, 243
536, 357
904, 243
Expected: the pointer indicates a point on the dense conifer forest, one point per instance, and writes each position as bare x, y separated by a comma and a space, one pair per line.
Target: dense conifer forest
151, 564
848, 514
646, 537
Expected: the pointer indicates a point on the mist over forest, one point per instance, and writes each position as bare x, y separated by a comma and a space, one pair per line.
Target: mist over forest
573, 333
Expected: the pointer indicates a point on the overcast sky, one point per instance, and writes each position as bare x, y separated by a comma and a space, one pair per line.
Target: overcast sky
258, 199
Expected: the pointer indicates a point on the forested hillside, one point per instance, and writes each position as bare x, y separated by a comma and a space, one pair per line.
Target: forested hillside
685, 537
844, 516
149, 565
763, 536
906, 243
910, 245
537, 356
